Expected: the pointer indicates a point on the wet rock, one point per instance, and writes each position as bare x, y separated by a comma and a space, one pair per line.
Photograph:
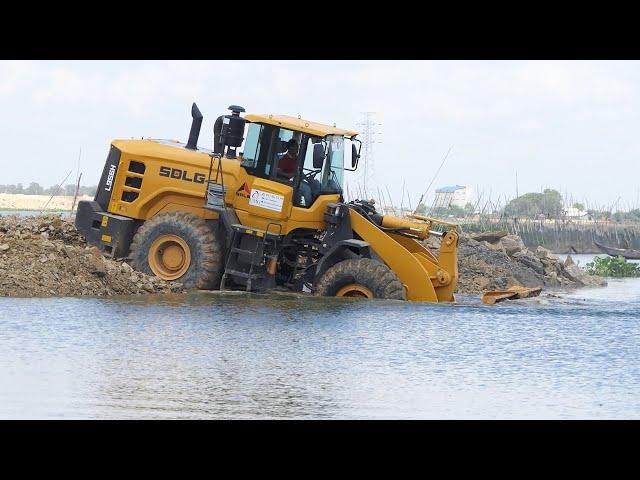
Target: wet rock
581, 277
553, 280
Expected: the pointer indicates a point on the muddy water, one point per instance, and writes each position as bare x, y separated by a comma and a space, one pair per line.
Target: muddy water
208, 355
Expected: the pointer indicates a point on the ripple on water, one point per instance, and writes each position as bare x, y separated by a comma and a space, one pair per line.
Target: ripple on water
209, 355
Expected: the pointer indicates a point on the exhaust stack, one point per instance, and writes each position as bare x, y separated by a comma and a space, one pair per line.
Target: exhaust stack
195, 127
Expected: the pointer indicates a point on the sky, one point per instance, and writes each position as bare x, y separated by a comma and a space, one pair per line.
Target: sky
568, 125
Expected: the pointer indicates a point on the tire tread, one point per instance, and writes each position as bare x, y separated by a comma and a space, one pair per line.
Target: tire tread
205, 271
375, 275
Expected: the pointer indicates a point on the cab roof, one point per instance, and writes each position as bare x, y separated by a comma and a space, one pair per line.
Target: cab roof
300, 125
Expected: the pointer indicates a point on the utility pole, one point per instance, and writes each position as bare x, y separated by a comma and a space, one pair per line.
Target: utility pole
368, 140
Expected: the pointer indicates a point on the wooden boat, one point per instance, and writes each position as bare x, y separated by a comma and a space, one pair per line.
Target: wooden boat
619, 252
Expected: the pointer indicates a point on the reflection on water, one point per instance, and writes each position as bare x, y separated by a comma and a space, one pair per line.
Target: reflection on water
211, 355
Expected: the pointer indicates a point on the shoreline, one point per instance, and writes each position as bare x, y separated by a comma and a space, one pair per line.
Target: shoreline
13, 202
47, 210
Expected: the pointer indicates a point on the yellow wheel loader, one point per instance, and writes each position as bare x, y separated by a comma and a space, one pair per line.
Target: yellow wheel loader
232, 218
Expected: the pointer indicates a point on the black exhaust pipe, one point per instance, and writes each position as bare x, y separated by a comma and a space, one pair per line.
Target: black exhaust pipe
195, 127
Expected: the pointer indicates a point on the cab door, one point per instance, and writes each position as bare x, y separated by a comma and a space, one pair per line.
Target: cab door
261, 199
264, 198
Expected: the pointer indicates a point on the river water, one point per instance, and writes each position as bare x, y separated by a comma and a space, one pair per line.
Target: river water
236, 355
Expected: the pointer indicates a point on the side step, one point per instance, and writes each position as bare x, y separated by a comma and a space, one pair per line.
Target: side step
256, 256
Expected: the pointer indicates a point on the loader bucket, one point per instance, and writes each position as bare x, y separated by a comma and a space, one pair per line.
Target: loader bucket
425, 277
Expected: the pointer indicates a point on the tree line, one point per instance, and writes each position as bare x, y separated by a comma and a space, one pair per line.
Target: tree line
35, 188
548, 204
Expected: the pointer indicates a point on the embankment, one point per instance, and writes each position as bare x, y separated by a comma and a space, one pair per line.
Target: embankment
45, 256
11, 201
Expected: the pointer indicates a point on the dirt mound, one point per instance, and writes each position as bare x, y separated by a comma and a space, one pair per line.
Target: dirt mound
45, 256
505, 262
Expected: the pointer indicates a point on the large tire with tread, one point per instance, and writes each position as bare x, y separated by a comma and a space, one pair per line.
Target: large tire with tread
361, 277
196, 259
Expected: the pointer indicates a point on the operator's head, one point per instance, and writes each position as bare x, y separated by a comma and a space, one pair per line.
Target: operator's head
292, 146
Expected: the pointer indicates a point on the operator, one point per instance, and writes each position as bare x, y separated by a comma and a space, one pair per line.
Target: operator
288, 167
288, 162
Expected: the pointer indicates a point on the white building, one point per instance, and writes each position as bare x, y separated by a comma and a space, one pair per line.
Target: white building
573, 212
457, 195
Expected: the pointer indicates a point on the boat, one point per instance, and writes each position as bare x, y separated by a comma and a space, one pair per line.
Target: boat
619, 252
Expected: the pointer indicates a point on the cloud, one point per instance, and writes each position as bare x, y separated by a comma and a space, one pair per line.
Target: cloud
546, 119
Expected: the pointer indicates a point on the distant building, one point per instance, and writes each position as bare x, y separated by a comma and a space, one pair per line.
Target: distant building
573, 212
457, 196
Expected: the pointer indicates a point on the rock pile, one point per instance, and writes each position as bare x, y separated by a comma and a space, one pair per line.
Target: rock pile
496, 261
45, 256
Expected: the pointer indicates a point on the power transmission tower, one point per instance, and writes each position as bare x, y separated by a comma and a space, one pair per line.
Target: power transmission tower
369, 138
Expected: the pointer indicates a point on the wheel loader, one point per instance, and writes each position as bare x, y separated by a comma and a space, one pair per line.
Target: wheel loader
227, 217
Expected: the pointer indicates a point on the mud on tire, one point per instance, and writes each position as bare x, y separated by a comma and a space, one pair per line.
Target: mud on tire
205, 269
374, 275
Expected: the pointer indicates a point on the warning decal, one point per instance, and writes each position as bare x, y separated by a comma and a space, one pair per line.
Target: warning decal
267, 200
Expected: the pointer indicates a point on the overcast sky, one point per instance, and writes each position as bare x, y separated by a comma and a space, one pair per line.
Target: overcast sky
572, 126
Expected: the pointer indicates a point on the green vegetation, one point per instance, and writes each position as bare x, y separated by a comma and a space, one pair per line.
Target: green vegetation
421, 209
451, 211
613, 267
547, 203
632, 216
579, 206
36, 189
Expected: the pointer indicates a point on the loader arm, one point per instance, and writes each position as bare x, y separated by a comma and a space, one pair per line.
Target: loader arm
426, 278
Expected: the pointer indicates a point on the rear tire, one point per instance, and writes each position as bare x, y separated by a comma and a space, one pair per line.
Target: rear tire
361, 277
181, 247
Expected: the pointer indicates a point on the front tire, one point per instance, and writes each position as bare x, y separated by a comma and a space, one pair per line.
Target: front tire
361, 277
178, 246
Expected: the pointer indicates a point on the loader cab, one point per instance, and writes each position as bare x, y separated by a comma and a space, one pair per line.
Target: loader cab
319, 160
